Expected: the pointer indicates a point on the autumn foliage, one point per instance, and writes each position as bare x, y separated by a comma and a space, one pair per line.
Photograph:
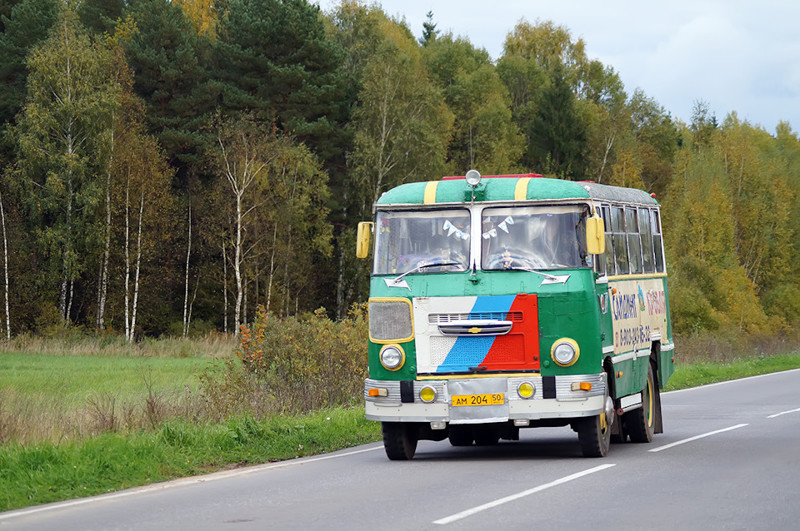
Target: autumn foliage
170, 167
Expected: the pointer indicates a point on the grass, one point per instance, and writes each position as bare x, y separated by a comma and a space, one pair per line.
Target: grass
45, 397
703, 373
50, 472
104, 456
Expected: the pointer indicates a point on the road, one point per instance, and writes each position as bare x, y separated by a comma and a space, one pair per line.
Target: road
729, 459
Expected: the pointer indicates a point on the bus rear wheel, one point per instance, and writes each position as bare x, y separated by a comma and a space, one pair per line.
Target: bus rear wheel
640, 423
399, 440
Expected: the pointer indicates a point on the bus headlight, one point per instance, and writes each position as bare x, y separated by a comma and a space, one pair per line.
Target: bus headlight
392, 357
565, 352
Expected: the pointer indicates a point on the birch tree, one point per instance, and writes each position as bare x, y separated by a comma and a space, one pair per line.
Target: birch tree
63, 137
5, 268
401, 123
243, 151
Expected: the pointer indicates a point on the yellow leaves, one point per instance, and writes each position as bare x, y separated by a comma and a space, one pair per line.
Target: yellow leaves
627, 170
202, 15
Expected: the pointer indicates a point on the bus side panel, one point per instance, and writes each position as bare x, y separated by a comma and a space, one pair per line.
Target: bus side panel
639, 318
666, 358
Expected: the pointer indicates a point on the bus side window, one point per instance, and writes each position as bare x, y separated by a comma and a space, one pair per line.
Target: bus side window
634, 242
618, 237
655, 225
646, 232
609, 254
600, 262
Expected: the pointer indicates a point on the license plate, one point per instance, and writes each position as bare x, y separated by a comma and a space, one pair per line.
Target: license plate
489, 399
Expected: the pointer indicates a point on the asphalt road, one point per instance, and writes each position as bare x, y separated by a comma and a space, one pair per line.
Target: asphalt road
729, 459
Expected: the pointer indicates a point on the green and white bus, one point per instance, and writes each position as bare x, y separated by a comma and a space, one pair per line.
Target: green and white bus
512, 301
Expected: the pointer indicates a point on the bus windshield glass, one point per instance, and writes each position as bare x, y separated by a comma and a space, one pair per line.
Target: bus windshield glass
534, 237
407, 240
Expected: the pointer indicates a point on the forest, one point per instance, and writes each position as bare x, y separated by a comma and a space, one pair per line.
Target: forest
168, 167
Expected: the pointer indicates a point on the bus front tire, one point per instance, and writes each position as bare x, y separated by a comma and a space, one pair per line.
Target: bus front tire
594, 434
399, 440
640, 423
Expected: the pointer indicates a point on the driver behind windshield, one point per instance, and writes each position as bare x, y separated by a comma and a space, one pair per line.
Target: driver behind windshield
524, 239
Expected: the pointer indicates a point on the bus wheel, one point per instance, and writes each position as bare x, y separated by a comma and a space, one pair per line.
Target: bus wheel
594, 435
399, 440
460, 435
640, 423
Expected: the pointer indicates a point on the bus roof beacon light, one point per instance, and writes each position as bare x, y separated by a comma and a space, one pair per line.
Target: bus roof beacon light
473, 178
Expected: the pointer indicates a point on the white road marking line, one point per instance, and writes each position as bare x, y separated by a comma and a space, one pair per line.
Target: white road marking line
179, 483
501, 501
690, 439
784, 413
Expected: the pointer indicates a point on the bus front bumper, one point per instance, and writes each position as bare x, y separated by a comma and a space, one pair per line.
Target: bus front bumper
486, 400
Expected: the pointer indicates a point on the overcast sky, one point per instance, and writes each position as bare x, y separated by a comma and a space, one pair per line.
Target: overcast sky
736, 55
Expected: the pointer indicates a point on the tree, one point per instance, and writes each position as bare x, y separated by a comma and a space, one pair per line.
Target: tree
401, 122
275, 60
24, 25
243, 153
171, 76
429, 31
484, 134
5, 268
275, 193
203, 15
101, 16
63, 140
557, 135
546, 72
144, 183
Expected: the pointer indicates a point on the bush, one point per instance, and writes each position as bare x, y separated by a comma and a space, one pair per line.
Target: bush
292, 365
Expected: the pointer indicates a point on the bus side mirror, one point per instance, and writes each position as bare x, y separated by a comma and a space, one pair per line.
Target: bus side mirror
362, 239
595, 235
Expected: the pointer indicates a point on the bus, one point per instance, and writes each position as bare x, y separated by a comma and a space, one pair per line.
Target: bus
514, 301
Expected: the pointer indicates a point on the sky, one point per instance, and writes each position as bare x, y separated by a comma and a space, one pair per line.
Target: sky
735, 56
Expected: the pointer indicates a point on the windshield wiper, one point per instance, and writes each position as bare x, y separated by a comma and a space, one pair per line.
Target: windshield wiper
552, 278
425, 266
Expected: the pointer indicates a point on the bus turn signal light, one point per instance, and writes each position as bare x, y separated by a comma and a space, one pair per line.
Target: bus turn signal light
378, 392
581, 386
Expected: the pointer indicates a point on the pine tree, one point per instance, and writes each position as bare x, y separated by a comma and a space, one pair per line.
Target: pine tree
274, 59
429, 31
169, 60
24, 24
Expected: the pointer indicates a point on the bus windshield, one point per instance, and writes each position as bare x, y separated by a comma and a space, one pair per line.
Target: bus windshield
406, 240
534, 237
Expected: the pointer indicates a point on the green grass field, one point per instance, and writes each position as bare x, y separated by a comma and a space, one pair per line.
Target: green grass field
73, 378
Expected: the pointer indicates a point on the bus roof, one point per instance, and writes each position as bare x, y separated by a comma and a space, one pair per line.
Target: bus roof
509, 188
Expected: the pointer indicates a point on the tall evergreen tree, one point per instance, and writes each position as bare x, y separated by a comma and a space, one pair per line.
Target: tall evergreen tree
557, 135
275, 59
100, 16
429, 31
169, 60
24, 24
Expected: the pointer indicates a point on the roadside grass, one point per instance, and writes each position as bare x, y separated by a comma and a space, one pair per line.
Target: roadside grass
50, 472
704, 373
